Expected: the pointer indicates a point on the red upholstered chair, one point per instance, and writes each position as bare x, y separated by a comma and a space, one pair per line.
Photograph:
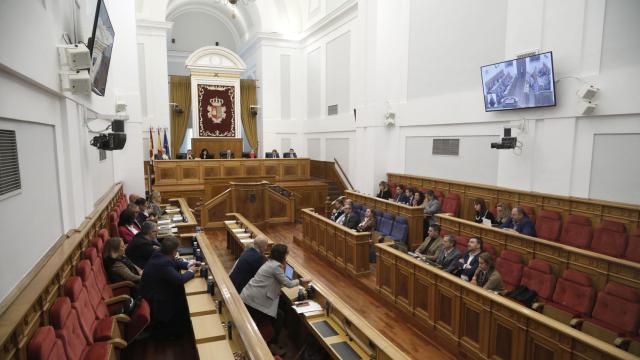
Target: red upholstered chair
140, 317
45, 346
616, 314
98, 244
113, 224
95, 323
490, 249
462, 243
451, 204
549, 225
108, 290
573, 297
633, 247
610, 239
577, 232
103, 234
509, 265
538, 276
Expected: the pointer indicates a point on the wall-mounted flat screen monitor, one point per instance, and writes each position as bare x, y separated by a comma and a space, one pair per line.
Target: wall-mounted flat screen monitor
101, 45
519, 84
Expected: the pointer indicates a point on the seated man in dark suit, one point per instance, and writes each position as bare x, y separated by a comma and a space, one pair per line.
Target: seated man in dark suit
351, 219
448, 253
520, 222
466, 266
162, 286
290, 155
143, 245
249, 263
142, 210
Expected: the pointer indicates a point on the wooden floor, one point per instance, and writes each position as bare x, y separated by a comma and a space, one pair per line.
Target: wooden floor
357, 293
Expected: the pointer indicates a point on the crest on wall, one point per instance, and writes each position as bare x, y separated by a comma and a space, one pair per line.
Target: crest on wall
216, 111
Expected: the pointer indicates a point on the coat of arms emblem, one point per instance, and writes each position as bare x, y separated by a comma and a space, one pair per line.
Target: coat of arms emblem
215, 111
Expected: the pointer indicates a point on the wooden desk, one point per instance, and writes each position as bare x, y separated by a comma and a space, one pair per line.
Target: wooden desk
195, 286
208, 328
201, 304
190, 223
216, 350
601, 268
413, 214
479, 323
234, 242
346, 248
245, 338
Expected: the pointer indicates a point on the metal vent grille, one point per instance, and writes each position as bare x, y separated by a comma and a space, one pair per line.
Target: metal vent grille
9, 166
332, 110
446, 147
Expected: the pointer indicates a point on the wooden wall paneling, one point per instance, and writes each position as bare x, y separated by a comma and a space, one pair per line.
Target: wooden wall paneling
386, 267
423, 295
340, 249
404, 284
543, 343
330, 238
475, 318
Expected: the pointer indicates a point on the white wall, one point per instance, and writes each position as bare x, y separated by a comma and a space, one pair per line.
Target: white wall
62, 175
193, 30
609, 179
420, 59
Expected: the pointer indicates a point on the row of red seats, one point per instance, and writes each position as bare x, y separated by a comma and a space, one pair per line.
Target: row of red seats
114, 215
613, 315
86, 322
610, 238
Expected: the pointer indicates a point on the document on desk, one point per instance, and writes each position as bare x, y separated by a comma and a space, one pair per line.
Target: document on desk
172, 211
244, 236
238, 230
306, 306
230, 222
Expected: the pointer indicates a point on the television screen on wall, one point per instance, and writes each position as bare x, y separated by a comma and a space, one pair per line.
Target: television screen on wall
519, 84
101, 45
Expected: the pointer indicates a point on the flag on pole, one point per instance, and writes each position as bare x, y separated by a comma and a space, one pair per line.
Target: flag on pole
150, 143
166, 144
159, 140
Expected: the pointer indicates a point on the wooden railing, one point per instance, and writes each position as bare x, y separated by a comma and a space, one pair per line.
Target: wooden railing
27, 307
413, 214
246, 337
601, 268
257, 201
472, 321
343, 175
189, 225
327, 170
597, 210
341, 246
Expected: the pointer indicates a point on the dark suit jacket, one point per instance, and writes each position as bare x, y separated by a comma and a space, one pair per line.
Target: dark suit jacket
246, 268
162, 286
402, 198
141, 218
140, 249
467, 272
524, 226
352, 221
385, 194
446, 260
337, 215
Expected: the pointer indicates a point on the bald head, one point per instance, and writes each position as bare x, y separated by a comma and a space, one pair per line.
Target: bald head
260, 243
133, 197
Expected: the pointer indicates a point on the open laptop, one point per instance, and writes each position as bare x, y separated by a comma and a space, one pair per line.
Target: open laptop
288, 272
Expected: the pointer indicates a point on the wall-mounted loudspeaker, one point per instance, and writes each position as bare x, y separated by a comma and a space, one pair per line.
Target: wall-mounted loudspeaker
587, 92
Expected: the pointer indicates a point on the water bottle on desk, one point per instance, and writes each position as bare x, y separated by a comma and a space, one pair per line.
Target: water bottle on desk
300, 294
210, 288
204, 270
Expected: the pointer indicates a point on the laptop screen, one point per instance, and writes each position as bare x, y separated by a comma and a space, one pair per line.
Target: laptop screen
288, 272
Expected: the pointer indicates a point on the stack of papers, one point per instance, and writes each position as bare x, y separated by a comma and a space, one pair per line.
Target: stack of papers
177, 218
172, 211
238, 230
164, 222
244, 235
306, 306
230, 222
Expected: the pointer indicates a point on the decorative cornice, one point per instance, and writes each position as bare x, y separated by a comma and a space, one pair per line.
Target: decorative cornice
153, 27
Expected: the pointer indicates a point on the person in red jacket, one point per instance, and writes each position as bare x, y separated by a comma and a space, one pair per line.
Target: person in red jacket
127, 227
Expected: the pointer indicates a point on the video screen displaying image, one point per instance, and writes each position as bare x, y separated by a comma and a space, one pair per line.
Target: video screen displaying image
519, 84
101, 47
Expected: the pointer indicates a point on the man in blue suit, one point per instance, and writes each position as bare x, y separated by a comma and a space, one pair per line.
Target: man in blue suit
162, 286
249, 263
520, 222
